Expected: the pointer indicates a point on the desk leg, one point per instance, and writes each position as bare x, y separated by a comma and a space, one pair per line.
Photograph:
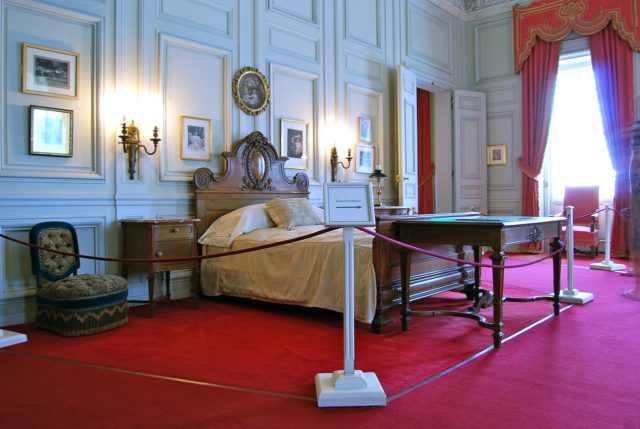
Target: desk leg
556, 245
405, 276
497, 258
151, 285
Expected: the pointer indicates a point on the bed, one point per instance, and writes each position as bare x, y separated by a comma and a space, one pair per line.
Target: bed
254, 202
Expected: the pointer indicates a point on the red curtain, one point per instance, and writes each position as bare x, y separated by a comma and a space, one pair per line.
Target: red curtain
426, 169
538, 83
612, 61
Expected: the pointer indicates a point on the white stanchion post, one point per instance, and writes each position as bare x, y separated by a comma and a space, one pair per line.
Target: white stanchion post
348, 387
607, 264
571, 295
9, 338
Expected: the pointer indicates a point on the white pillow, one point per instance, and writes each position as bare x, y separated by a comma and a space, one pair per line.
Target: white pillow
290, 212
224, 230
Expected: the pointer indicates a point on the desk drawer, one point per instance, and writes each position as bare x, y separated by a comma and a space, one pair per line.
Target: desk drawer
172, 232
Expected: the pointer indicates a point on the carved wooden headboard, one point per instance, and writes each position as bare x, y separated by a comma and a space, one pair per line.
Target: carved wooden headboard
253, 174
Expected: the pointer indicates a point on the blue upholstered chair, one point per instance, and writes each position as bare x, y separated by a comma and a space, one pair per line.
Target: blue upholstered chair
68, 303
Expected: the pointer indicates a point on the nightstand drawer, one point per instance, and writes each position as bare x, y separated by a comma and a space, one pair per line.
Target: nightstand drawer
173, 232
172, 248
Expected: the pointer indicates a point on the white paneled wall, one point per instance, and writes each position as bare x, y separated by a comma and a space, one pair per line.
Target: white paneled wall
492, 51
326, 62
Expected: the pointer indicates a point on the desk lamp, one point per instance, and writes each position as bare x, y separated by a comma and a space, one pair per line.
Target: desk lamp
378, 174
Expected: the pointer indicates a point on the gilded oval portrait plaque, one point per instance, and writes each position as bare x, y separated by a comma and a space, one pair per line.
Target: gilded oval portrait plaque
251, 90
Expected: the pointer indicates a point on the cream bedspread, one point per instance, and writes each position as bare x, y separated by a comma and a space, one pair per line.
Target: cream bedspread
307, 273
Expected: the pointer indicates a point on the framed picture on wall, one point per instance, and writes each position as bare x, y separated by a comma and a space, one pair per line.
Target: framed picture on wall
364, 158
48, 71
293, 143
364, 129
196, 138
497, 154
50, 131
250, 90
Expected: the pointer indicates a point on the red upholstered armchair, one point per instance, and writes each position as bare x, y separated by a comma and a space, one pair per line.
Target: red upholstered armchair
585, 201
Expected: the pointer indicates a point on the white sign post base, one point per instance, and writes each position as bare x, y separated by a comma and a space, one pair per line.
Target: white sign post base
607, 264
339, 390
574, 296
348, 206
9, 338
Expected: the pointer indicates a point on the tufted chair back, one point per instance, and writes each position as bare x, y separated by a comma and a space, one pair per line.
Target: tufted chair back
54, 235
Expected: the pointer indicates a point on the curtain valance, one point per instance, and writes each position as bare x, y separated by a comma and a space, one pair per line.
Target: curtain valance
552, 20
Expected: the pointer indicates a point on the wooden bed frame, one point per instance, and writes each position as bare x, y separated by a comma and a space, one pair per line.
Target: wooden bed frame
254, 173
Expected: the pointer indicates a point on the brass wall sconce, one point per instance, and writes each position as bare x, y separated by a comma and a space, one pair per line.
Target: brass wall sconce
378, 174
130, 141
335, 163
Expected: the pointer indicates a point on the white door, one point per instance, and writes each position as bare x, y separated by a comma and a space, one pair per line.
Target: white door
407, 138
470, 152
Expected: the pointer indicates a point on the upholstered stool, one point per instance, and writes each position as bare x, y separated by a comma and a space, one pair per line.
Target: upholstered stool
82, 305
78, 304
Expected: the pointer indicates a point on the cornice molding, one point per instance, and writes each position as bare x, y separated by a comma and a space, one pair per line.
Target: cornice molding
469, 10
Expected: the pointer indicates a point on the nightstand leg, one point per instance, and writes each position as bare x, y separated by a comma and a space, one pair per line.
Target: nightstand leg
151, 284
195, 282
167, 281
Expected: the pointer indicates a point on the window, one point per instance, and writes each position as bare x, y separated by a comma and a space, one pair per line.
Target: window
577, 151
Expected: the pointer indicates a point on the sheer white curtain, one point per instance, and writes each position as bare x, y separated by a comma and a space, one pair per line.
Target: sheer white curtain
576, 148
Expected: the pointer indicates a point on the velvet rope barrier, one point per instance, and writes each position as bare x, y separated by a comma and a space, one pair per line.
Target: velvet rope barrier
448, 258
182, 258
280, 243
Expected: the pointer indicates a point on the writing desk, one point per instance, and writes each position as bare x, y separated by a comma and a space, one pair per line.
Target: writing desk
495, 232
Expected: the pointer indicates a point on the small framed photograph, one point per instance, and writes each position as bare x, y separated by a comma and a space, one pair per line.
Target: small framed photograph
48, 71
364, 129
497, 154
251, 90
293, 143
196, 139
50, 131
364, 158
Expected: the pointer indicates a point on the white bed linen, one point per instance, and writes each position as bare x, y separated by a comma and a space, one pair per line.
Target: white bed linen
307, 273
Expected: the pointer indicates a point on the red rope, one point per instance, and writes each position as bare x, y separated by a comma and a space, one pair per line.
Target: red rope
280, 243
448, 258
182, 258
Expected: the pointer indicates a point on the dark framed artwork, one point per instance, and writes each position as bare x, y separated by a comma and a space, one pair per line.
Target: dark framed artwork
196, 139
48, 71
251, 90
50, 131
293, 143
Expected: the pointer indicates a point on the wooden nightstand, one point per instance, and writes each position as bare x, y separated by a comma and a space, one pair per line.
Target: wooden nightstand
162, 238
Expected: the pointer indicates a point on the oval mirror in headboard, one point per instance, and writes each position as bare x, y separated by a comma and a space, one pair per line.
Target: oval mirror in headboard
253, 173
253, 166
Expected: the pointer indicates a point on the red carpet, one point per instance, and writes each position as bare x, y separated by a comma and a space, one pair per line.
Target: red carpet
576, 371
279, 348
